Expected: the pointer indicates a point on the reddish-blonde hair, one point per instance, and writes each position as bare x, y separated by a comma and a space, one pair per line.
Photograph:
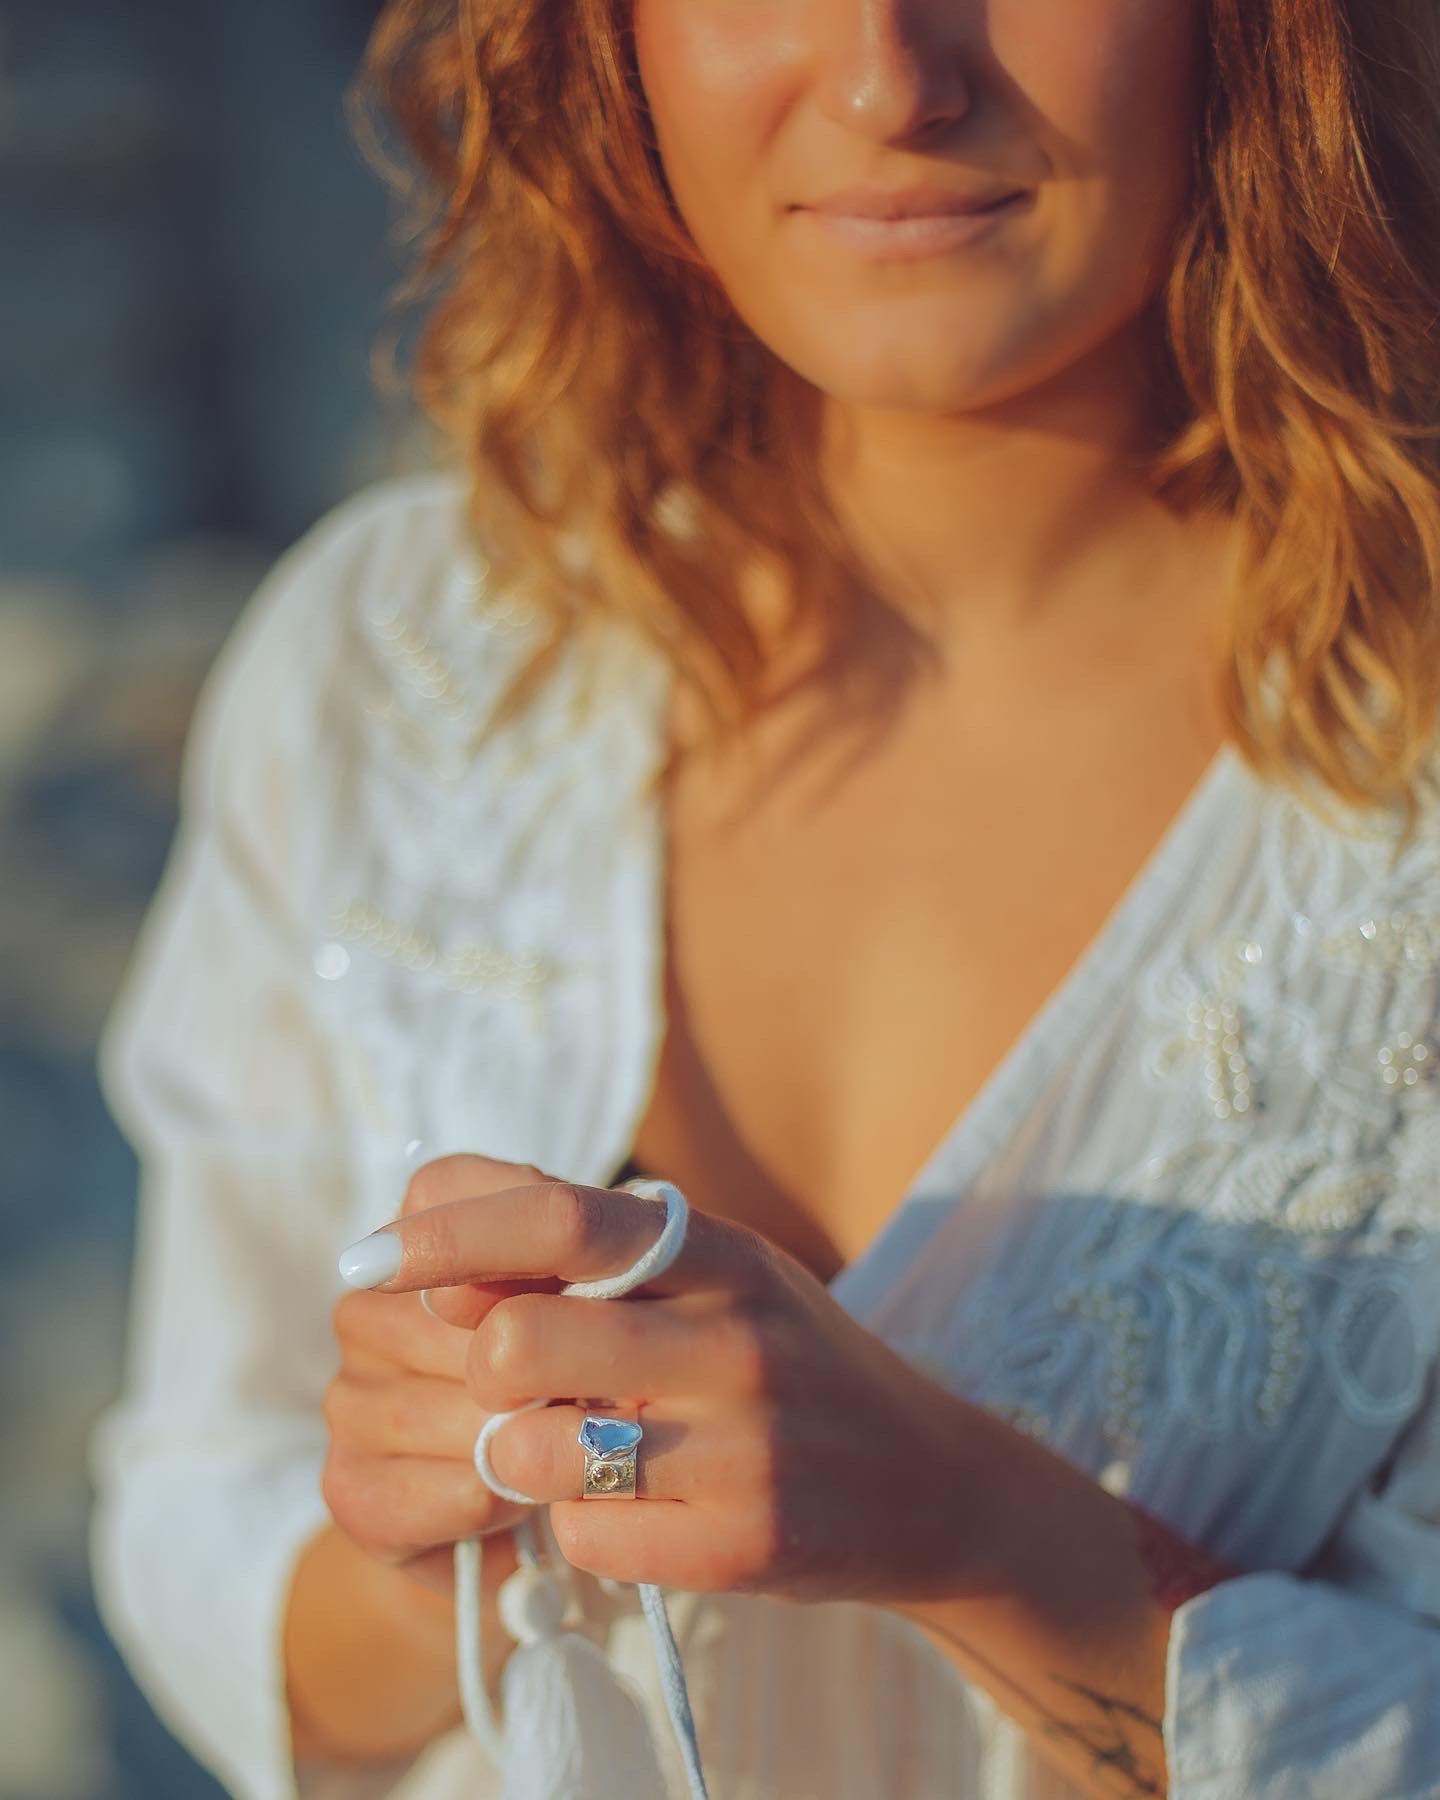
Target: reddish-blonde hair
588, 372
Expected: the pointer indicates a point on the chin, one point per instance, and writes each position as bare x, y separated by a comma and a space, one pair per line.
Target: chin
891, 380
922, 352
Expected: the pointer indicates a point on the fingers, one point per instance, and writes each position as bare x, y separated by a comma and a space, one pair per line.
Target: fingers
543, 1346
465, 1306
403, 1415
446, 1178
397, 1507
623, 1541
537, 1229
538, 1453
461, 1174
377, 1331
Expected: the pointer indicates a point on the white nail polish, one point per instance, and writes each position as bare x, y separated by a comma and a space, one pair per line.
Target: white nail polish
375, 1258
425, 1302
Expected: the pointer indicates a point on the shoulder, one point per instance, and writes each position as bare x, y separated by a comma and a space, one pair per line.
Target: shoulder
342, 613
344, 731
405, 532
1335, 865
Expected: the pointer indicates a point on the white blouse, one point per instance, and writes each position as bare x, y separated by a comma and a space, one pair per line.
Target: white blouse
1188, 1233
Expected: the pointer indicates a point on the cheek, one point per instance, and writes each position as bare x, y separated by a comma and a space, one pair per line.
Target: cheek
712, 75
702, 53
1113, 89
1113, 86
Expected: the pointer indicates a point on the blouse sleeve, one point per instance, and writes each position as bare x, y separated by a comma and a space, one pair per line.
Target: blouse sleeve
1324, 1684
207, 1466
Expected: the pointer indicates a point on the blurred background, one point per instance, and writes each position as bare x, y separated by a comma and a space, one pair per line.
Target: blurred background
196, 259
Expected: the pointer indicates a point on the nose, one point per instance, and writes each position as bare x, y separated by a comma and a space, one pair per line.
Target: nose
893, 70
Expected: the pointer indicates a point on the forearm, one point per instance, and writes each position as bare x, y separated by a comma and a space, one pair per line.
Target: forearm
370, 1652
1059, 1605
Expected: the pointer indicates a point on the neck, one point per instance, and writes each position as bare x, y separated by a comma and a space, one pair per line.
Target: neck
1031, 514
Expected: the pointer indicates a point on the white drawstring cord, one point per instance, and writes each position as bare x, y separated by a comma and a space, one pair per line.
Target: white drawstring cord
475, 1700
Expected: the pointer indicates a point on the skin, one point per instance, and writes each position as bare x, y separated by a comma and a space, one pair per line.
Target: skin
399, 1476
753, 1386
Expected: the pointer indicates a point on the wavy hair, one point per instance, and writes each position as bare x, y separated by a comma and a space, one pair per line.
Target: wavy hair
590, 375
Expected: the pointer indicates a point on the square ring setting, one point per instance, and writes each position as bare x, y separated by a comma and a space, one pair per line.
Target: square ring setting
610, 1447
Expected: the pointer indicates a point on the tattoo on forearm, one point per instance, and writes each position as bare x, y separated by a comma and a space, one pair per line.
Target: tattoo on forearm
1175, 1569
1111, 1741
1111, 1744
1124, 1744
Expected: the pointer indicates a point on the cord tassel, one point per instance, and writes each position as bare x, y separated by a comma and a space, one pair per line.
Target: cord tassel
572, 1723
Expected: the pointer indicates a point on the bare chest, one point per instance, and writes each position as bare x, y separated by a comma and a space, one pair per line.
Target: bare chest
847, 962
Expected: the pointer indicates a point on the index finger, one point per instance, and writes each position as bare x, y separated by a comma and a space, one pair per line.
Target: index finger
459, 1175
552, 1228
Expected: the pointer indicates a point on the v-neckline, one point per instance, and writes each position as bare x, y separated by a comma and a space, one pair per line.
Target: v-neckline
998, 1106
1004, 1100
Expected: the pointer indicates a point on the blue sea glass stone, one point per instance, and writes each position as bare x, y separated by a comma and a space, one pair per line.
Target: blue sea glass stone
609, 1437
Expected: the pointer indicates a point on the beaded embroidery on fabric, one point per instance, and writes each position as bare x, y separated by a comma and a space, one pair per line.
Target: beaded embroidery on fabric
1259, 1247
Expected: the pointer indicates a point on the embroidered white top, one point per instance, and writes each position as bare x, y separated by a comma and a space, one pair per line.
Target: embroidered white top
1188, 1232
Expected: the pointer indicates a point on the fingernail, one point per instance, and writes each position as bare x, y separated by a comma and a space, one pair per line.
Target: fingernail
375, 1258
425, 1302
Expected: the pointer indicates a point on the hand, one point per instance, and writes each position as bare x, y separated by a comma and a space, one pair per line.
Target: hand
399, 1475
787, 1450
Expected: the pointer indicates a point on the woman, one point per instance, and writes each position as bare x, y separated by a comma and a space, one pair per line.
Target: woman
921, 734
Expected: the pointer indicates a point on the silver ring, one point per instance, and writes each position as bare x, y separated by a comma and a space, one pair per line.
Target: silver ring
610, 1447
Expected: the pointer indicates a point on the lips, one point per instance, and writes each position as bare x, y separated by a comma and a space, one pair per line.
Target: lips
910, 203
900, 237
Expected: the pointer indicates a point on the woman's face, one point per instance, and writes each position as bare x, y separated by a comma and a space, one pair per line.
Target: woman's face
762, 108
